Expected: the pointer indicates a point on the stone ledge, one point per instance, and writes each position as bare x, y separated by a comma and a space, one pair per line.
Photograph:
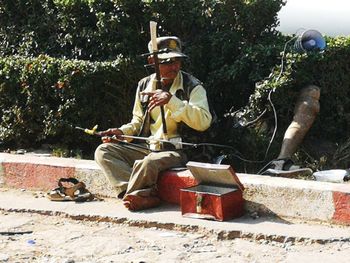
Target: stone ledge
289, 198
169, 217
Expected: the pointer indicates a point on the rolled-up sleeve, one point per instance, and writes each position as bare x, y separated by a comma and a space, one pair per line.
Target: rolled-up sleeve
195, 112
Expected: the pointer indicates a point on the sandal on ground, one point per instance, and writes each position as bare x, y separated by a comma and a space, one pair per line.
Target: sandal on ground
137, 203
285, 168
77, 192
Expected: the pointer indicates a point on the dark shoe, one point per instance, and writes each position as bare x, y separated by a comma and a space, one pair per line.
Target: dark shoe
285, 168
121, 194
137, 203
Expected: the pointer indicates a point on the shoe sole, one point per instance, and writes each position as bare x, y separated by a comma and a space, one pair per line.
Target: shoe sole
289, 174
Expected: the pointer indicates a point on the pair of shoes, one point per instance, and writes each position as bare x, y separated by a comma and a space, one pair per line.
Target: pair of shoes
285, 168
137, 203
77, 192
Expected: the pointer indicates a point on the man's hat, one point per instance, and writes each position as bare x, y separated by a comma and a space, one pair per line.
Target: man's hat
172, 44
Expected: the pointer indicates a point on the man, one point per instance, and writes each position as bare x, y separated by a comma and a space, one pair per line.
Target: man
133, 169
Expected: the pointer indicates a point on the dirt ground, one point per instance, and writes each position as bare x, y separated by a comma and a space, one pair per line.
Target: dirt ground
43, 238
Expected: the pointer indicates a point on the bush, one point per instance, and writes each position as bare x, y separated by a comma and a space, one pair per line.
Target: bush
328, 70
79, 29
42, 99
228, 42
232, 45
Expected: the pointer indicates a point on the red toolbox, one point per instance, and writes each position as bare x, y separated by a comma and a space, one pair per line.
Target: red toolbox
218, 196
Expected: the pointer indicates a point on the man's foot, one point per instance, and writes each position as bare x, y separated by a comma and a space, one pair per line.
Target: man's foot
285, 168
137, 203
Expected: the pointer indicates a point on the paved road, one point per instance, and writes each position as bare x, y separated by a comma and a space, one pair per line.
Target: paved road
59, 239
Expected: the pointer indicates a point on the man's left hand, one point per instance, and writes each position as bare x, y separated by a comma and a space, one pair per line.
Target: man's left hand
157, 98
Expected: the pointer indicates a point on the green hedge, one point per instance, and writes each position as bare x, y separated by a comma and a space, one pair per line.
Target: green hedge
42, 99
232, 45
328, 140
103, 29
75, 29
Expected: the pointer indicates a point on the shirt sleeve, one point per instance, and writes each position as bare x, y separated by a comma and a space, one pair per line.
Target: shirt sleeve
134, 126
195, 112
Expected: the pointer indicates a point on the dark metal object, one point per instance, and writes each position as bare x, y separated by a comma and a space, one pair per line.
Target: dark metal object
160, 51
13, 233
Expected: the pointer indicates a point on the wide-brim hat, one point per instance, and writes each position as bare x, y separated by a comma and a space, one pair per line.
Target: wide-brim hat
170, 43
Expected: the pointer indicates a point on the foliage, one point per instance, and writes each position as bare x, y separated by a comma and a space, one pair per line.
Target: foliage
328, 70
80, 29
92, 63
42, 99
228, 42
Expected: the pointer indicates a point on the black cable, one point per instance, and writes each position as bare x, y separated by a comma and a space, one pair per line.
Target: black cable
264, 167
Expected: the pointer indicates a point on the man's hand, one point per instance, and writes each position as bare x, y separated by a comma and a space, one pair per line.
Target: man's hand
157, 98
107, 135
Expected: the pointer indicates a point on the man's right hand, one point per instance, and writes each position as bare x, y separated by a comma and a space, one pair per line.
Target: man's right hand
110, 135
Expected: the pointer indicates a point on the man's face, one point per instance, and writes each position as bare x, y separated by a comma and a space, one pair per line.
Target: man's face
169, 68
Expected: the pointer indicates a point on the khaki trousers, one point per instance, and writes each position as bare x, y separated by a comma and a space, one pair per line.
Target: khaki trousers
133, 169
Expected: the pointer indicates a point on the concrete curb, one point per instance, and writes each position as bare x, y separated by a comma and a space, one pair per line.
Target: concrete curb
169, 217
282, 197
35, 172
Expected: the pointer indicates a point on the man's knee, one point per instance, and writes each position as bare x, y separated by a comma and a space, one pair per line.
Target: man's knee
101, 152
149, 162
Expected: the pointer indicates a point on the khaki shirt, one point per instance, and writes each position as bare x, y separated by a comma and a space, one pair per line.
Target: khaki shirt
194, 113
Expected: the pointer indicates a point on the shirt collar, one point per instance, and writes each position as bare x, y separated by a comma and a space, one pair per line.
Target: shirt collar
177, 84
